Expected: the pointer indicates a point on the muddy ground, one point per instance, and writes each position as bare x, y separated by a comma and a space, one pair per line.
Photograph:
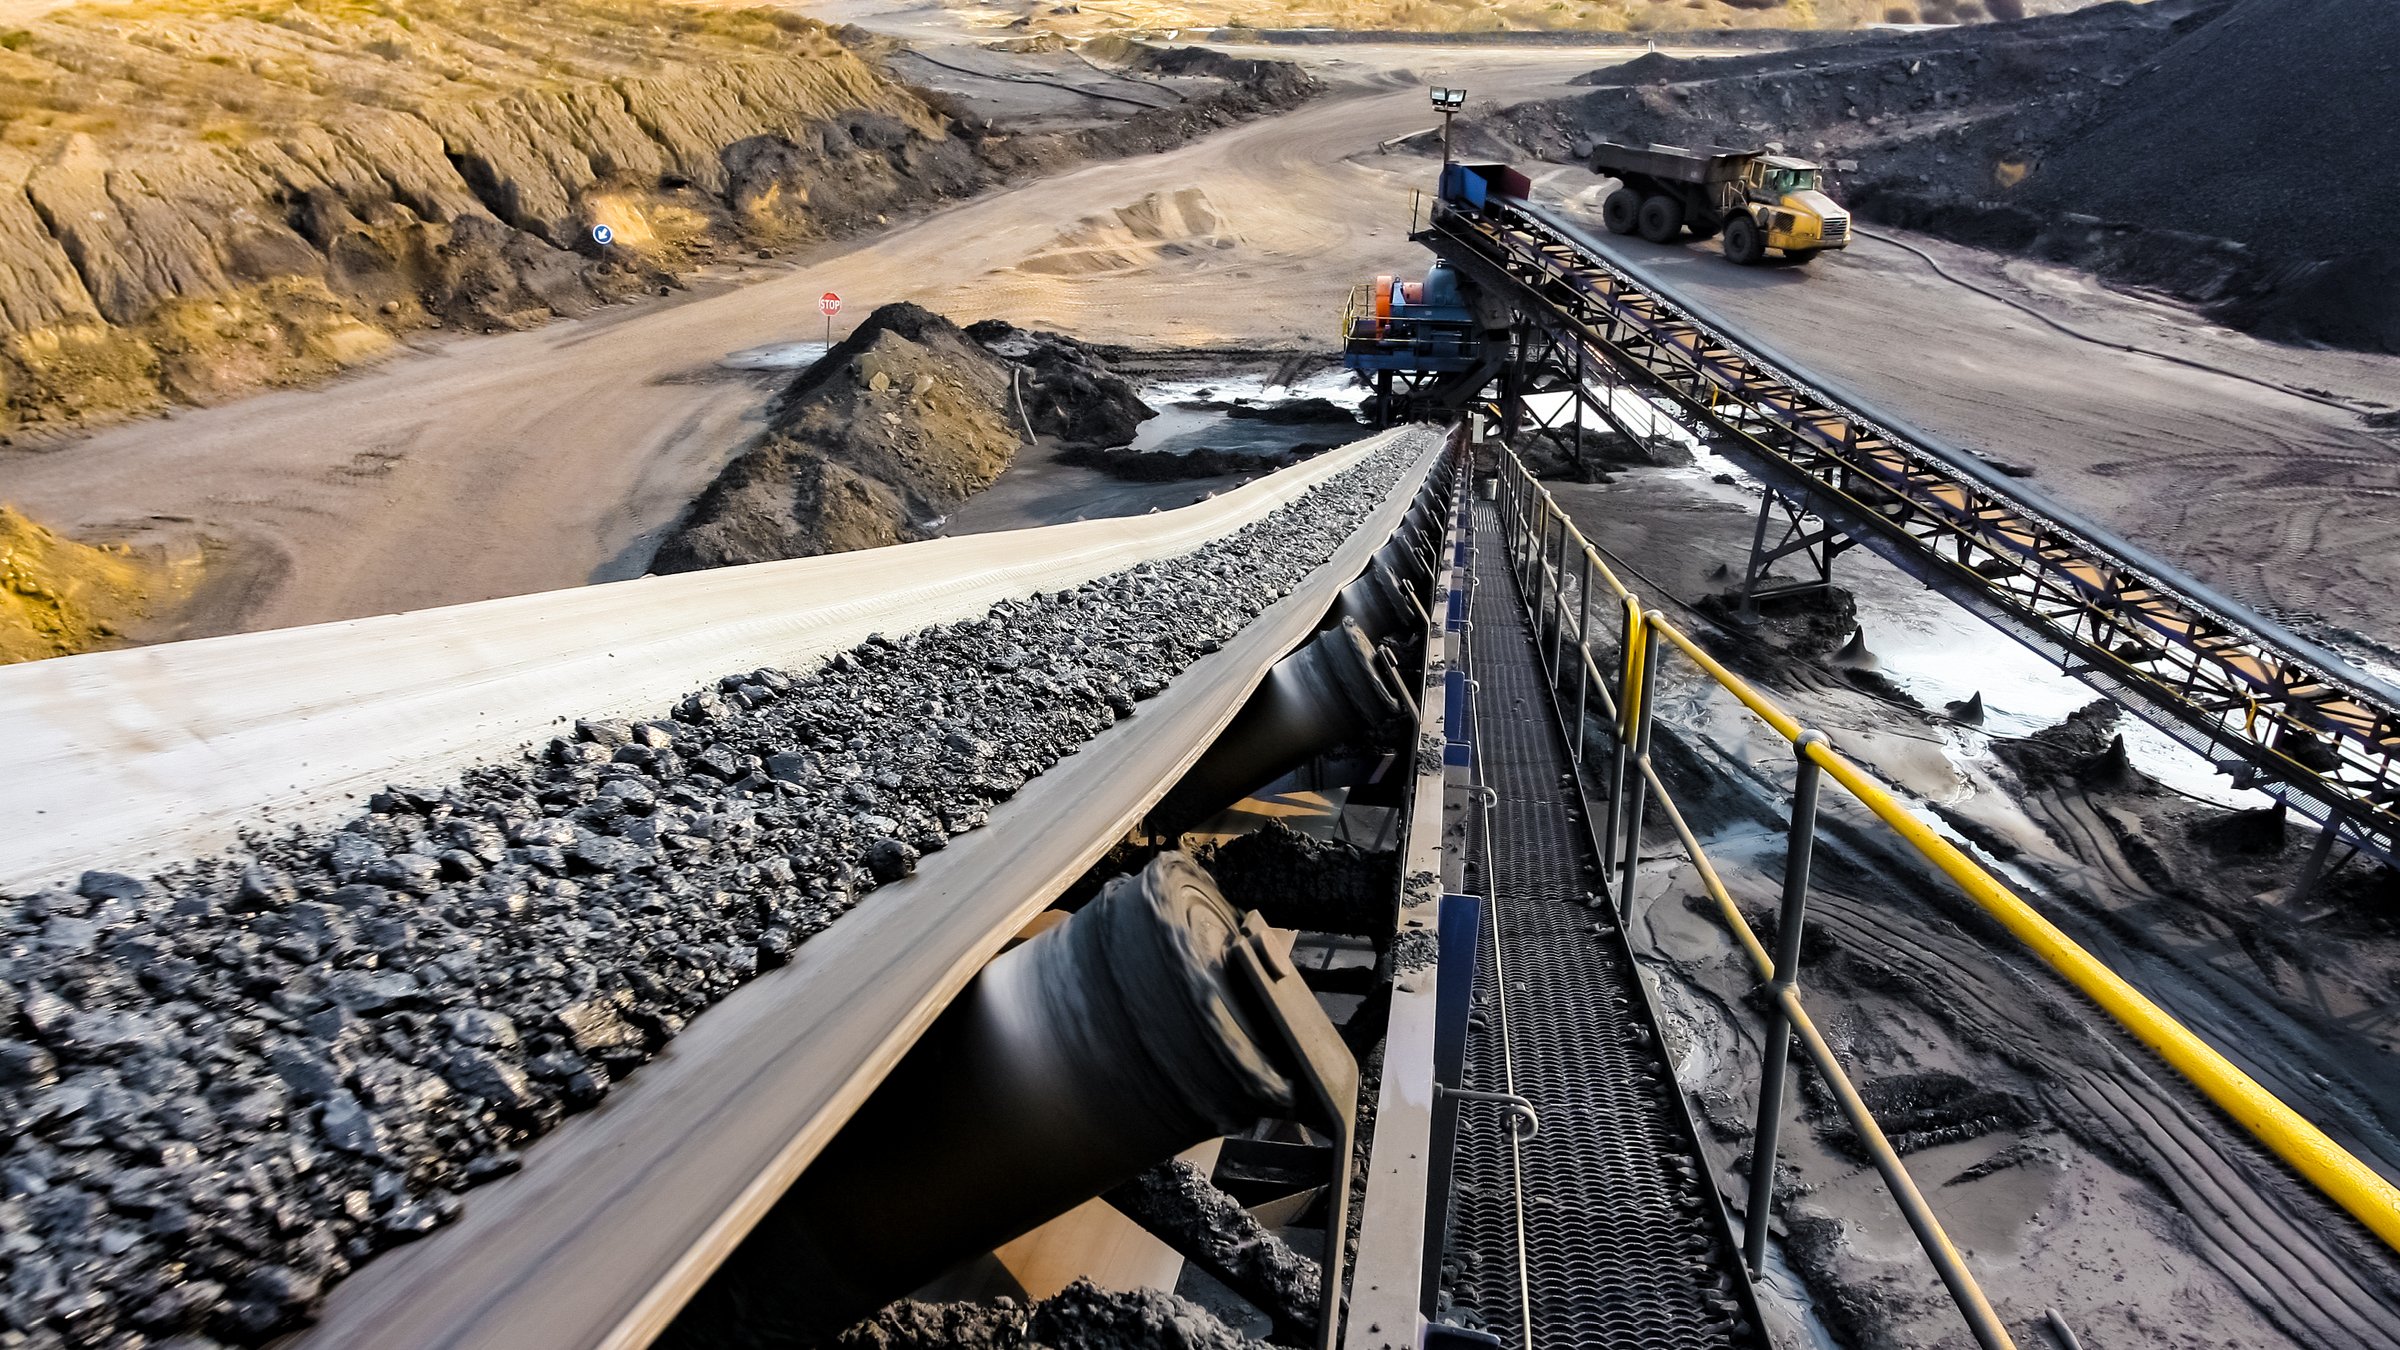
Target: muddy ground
2262, 469
2203, 150
2074, 1169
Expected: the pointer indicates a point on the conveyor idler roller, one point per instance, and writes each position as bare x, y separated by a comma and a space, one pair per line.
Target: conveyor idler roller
1337, 690
1145, 1024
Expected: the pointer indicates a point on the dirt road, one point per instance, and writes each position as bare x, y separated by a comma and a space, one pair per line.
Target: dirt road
485, 466
2281, 501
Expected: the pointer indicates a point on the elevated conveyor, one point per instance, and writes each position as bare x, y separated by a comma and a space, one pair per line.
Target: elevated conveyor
2264, 704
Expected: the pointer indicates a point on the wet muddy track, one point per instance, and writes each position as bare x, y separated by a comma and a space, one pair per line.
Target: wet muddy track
1906, 937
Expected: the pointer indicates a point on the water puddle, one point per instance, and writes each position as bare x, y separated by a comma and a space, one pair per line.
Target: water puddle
1195, 414
774, 356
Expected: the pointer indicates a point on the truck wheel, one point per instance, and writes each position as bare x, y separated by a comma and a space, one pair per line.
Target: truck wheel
1662, 219
1744, 243
1622, 212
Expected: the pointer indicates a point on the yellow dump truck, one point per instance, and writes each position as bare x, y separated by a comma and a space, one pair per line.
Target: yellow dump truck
1760, 201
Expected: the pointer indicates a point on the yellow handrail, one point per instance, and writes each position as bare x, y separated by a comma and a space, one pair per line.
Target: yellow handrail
2333, 1170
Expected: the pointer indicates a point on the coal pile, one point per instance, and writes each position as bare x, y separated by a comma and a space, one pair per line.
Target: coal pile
228, 1084
1172, 466
897, 425
1081, 1316
2213, 152
1177, 1203
1297, 882
1070, 393
2272, 128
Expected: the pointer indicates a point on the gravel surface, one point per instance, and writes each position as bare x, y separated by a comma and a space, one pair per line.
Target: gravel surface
1081, 1316
1178, 1204
226, 1085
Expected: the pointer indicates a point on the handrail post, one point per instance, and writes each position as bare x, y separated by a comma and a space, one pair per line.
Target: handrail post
1540, 562
1621, 735
1799, 847
1558, 595
1583, 661
1637, 787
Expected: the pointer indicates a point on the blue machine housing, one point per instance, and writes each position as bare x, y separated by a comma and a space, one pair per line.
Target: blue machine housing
1411, 326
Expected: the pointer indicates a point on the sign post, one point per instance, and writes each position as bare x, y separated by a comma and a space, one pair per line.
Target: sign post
829, 305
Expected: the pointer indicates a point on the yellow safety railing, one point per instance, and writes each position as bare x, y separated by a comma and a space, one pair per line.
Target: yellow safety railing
1532, 516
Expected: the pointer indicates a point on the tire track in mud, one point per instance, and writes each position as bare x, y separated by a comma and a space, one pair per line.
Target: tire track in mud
2132, 1117
2323, 1284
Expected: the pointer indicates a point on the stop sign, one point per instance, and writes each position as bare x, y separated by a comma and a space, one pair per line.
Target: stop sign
829, 304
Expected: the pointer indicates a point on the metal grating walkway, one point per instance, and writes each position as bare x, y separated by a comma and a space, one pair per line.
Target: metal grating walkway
1619, 1245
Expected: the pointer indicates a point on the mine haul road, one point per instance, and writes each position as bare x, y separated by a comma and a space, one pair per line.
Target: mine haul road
481, 466
489, 465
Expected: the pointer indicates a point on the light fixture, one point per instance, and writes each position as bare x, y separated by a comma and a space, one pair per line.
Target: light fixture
1449, 100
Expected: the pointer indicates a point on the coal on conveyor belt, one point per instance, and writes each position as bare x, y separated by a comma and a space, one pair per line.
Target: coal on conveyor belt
225, 1086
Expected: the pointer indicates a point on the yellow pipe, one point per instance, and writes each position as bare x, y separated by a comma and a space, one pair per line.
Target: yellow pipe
1630, 701
2356, 1187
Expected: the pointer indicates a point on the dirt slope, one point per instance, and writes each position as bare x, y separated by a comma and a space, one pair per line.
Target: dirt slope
306, 183
303, 184
58, 597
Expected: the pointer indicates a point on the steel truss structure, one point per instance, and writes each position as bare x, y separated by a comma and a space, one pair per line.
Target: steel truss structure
2263, 705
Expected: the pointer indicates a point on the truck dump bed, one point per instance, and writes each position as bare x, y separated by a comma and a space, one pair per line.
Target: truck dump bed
1670, 162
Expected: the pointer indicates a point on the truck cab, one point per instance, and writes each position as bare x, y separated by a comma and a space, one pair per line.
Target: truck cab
1791, 208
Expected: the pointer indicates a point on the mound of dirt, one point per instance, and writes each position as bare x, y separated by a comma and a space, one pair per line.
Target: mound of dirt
1081, 1316
1069, 391
59, 597
873, 445
2086, 749
902, 421
2210, 152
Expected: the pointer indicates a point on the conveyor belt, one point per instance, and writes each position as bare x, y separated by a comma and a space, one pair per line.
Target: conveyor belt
1623, 1243
2257, 699
621, 1213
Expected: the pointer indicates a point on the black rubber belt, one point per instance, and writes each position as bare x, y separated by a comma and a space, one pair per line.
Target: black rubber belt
1619, 1248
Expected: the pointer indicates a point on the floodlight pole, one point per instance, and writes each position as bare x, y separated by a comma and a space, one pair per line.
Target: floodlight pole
1447, 102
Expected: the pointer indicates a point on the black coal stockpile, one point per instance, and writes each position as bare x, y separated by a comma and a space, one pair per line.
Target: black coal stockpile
2235, 154
898, 424
2274, 126
226, 1085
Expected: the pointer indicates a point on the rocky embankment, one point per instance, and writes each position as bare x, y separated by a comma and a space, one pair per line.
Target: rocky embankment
58, 596
898, 425
203, 201
2209, 151
228, 1084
